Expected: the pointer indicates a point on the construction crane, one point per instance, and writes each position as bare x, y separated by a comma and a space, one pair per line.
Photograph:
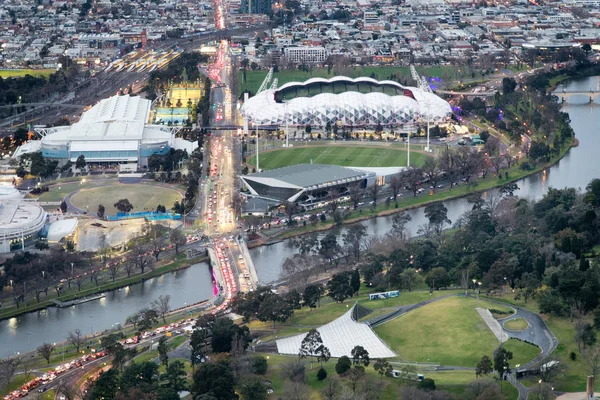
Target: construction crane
421, 80
274, 84
265, 83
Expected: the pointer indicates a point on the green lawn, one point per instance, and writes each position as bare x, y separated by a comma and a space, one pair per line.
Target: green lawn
451, 381
447, 332
255, 78
143, 197
522, 352
354, 156
9, 73
516, 324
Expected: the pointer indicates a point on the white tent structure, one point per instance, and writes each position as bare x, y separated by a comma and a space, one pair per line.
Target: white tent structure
340, 336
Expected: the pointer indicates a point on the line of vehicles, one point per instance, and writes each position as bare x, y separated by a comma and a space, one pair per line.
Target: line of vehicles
40, 381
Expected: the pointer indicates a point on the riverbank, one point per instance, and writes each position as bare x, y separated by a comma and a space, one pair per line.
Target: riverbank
110, 286
515, 173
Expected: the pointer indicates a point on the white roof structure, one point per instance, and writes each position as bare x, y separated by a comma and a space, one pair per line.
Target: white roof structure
340, 336
61, 228
360, 101
113, 130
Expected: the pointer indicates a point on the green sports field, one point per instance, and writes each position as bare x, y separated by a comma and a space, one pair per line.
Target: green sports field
9, 73
348, 156
142, 197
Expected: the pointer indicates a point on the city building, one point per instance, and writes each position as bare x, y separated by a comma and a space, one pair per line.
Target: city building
306, 184
255, 7
305, 54
345, 101
114, 131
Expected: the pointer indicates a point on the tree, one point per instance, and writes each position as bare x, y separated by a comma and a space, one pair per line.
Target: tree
123, 205
339, 287
437, 278
355, 376
431, 170
332, 389
258, 365
310, 344
80, 163
356, 193
163, 350
215, 379
408, 279
312, 295
175, 376
360, 356
76, 339
437, 214
399, 224
113, 269
343, 365
162, 306
321, 374
427, 385
374, 193
383, 367
101, 211
501, 361
197, 344
223, 332
484, 367
355, 281
274, 308
45, 350
508, 85
63, 207
354, 239
412, 179
591, 356
8, 368
329, 248
395, 185
177, 238
148, 317
252, 388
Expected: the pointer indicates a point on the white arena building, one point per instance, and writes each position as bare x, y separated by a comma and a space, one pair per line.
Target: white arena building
115, 130
20, 220
345, 101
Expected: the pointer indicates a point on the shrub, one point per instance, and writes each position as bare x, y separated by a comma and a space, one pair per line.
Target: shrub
427, 385
258, 365
573, 356
322, 374
343, 365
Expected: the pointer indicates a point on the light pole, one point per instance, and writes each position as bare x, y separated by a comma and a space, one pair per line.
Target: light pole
92, 325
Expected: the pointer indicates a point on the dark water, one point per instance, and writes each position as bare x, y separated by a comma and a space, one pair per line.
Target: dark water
28, 331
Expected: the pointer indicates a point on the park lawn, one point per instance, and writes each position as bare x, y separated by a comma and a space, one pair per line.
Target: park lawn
451, 381
142, 197
354, 156
522, 352
447, 332
59, 191
516, 324
18, 73
405, 298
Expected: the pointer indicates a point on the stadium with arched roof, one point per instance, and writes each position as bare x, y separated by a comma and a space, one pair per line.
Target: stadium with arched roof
346, 101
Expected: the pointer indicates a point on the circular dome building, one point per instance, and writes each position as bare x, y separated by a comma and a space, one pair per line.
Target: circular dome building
20, 220
346, 101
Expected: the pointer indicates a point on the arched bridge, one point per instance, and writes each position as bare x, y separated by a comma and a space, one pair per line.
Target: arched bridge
565, 94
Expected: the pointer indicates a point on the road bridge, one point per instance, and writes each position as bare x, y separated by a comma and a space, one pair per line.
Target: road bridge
565, 94
66, 105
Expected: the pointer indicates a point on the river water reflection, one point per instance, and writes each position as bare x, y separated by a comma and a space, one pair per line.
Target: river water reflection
28, 331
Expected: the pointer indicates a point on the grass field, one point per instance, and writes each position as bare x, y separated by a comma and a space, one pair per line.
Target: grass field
448, 332
516, 324
338, 155
255, 78
143, 197
522, 352
9, 73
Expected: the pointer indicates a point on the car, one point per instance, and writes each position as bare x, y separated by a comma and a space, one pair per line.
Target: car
440, 186
420, 190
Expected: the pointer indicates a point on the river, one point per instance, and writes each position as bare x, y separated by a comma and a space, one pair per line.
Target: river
193, 284
28, 331
576, 169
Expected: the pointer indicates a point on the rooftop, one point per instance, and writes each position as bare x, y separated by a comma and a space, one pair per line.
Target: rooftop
306, 175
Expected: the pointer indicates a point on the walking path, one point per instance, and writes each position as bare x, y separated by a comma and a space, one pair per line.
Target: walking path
492, 323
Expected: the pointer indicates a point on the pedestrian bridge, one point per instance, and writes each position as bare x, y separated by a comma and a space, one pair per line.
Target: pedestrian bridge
566, 94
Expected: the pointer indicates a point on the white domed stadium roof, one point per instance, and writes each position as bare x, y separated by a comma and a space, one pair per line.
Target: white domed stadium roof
343, 104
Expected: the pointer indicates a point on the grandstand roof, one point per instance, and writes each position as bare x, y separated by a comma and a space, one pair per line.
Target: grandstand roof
306, 175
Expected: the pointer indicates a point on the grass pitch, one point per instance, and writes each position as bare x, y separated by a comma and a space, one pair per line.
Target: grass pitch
350, 156
448, 332
142, 197
18, 73
516, 324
